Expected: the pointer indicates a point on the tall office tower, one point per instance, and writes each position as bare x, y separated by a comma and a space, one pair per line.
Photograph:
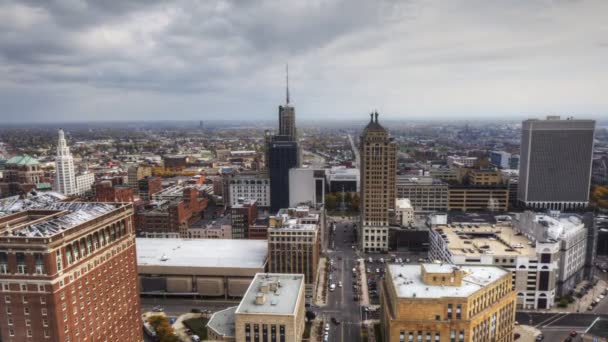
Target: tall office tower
282, 156
287, 116
555, 163
65, 177
378, 171
68, 272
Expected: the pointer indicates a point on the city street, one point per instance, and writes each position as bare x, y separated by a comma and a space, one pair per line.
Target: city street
341, 303
556, 326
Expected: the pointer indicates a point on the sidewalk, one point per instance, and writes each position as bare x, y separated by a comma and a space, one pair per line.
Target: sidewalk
526, 332
321, 290
362, 278
579, 305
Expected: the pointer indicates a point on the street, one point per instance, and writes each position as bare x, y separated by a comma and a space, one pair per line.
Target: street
341, 303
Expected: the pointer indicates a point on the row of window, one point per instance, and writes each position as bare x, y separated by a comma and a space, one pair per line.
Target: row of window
264, 333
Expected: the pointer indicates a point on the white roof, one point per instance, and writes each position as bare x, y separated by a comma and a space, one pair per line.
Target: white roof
280, 302
407, 280
222, 253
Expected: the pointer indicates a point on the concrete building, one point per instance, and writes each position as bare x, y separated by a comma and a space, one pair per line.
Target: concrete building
294, 243
378, 169
306, 187
565, 233
64, 268
447, 303
539, 273
461, 161
65, 176
555, 165
449, 175
273, 307
471, 197
207, 268
484, 177
136, 173
84, 182
249, 187
243, 215
426, 194
500, 159
211, 228
341, 178
404, 213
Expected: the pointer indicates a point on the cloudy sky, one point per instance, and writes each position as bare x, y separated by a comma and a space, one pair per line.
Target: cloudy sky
81, 60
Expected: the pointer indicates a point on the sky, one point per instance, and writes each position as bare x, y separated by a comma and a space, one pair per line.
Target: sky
96, 60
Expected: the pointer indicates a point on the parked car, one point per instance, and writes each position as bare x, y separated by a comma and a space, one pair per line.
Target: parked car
340, 284
158, 308
326, 326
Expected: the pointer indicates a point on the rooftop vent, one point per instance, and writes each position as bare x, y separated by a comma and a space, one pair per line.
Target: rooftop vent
274, 302
164, 258
260, 299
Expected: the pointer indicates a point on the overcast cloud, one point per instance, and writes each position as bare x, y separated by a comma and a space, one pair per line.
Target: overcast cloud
163, 60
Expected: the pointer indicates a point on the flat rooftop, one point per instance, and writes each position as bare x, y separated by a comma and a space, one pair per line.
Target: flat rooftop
476, 240
283, 301
222, 253
408, 283
53, 218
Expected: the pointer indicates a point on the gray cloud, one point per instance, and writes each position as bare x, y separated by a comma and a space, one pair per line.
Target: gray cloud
142, 59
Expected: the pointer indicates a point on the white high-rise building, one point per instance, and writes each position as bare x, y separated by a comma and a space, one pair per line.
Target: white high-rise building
65, 177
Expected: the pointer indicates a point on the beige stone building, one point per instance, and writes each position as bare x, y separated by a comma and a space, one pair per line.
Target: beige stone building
272, 310
378, 191
447, 303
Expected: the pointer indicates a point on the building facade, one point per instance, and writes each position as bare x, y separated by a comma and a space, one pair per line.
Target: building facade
272, 309
378, 153
249, 187
306, 187
137, 172
282, 156
243, 215
71, 275
426, 194
447, 303
555, 164
65, 176
470, 197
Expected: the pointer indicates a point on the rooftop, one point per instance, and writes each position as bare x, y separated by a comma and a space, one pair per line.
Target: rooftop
272, 293
60, 217
202, 253
222, 322
408, 283
478, 239
15, 204
22, 160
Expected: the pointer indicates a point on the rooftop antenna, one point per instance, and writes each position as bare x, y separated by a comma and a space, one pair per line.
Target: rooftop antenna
287, 82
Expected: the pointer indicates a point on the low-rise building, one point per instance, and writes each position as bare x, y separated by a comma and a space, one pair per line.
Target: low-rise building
461, 161
472, 197
199, 267
426, 194
520, 245
447, 303
404, 213
341, 178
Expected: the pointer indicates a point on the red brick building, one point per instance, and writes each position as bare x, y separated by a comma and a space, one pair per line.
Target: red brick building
68, 273
243, 215
174, 216
107, 192
148, 186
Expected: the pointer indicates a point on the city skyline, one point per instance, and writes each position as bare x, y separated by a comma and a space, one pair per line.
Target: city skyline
151, 61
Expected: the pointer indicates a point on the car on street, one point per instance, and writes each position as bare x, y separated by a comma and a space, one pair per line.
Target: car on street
540, 337
377, 270
332, 287
158, 308
340, 284
326, 326
335, 321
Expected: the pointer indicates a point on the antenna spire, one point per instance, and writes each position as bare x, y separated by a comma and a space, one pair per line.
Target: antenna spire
287, 82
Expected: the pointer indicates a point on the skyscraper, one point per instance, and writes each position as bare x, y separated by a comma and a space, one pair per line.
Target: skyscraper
65, 177
287, 115
555, 163
378, 171
282, 156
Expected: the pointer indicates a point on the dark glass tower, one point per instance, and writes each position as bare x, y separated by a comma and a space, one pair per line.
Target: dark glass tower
282, 156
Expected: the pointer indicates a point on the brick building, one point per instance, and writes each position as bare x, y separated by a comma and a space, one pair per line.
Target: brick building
243, 215
105, 191
172, 216
148, 186
68, 273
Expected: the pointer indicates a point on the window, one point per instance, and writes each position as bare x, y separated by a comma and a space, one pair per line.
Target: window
458, 311
449, 311
7, 299
39, 262
21, 266
23, 287
40, 288
3, 263
26, 310
43, 312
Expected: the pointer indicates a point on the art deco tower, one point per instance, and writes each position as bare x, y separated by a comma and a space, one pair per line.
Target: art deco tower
65, 179
378, 171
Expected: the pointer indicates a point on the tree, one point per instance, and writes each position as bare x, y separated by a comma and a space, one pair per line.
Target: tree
310, 315
354, 202
163, 329
599, 196
331, 201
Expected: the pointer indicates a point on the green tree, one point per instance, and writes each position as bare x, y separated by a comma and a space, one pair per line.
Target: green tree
331, 201
354, 202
